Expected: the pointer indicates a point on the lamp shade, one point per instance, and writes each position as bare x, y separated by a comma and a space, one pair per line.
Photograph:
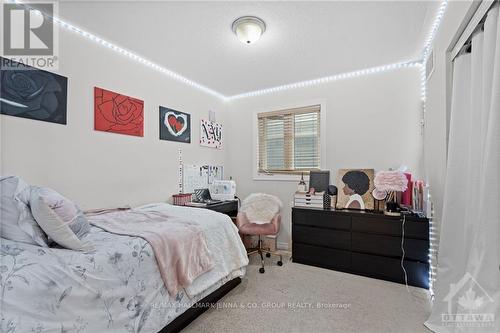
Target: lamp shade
390, 181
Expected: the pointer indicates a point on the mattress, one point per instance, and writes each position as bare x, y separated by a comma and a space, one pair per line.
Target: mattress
116, 288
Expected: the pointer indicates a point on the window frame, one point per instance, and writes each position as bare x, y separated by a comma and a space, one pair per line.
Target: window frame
287, 176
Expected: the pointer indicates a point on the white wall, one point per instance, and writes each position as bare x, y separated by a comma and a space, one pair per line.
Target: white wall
97, 169
372, 122
436, 105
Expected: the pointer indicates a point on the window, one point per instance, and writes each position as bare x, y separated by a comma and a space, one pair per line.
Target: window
289, 140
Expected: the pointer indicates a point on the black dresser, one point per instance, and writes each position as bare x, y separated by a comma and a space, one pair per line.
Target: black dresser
363, 243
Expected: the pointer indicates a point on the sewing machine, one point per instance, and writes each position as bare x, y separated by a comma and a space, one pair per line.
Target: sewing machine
222, 189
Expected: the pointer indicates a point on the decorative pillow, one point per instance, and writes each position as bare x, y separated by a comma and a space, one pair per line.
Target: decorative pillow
65, 209
58, 230
261, 208
17, 222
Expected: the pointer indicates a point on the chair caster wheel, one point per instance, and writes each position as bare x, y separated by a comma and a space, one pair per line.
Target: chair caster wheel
280, 263
261, 270
268, 255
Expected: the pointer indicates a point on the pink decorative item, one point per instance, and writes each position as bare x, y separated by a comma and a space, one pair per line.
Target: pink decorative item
391, 181
406, 197
182, 198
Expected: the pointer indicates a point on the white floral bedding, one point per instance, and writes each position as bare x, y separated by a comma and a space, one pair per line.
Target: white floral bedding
117, 288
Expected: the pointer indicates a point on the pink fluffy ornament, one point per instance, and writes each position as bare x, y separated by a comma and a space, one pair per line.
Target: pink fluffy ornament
390, 181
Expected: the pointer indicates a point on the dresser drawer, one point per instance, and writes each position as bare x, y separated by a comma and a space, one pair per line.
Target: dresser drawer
415, 249
331, 238
417, 229
377, 225
321, 256
390, 269
320, 218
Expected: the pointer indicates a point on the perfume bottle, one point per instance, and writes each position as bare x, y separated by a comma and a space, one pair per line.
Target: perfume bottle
302, 187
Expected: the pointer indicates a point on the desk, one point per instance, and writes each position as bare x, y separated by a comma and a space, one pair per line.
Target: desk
229, 207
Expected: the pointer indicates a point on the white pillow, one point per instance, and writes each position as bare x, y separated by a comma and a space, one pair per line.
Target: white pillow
58, 230
16, 221
65, 209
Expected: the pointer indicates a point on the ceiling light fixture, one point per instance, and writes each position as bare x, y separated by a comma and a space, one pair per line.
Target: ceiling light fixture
248, 29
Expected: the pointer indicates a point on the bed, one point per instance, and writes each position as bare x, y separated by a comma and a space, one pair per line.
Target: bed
117, 287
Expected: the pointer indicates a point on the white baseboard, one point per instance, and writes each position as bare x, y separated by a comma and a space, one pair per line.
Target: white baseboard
282, 246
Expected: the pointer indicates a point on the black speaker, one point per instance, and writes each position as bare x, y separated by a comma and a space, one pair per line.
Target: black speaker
327, 200
332, 189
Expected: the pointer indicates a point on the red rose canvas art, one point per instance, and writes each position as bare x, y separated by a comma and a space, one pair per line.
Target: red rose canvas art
118, 113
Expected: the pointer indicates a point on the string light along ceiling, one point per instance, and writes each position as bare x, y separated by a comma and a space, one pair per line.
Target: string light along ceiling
178, 77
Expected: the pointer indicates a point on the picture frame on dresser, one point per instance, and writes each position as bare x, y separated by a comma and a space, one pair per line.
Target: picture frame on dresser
355, 187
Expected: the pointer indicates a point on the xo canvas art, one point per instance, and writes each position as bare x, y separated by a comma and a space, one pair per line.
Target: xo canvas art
355, 188
118, 113
175, 125
210, 134
32, 93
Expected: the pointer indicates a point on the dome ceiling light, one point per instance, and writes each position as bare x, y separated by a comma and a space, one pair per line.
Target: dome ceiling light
248, 29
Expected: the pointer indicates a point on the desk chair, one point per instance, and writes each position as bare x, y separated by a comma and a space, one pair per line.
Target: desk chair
260, 216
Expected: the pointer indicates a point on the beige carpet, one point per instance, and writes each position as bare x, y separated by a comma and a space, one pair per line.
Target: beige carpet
285, 299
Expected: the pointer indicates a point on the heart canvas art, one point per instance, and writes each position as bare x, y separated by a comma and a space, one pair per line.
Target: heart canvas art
175, 125
117, 113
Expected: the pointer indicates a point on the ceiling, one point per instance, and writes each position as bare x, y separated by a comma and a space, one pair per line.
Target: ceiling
303, 40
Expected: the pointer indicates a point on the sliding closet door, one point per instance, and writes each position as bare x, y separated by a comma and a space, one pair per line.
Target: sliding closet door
467, 290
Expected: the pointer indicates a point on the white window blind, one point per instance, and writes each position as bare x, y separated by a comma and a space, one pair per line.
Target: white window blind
289, 140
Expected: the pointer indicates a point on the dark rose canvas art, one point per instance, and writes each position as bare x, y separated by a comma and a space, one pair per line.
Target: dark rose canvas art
28, 92
117, 113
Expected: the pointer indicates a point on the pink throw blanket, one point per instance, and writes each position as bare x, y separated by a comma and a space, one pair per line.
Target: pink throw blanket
179, 245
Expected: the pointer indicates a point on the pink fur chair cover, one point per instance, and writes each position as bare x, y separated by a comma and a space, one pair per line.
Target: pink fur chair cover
248, 228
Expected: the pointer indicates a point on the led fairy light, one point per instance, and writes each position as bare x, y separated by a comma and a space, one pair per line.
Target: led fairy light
137, 58
434, 29
300, 84
129, 54
433, 237
326, 79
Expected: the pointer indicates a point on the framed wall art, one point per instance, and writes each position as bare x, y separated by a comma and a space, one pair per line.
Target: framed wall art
32, 93
355, 188
210, 134
175, 125
117, 113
